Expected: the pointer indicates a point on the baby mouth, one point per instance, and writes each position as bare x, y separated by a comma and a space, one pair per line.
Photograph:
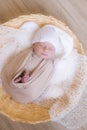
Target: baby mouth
44, 54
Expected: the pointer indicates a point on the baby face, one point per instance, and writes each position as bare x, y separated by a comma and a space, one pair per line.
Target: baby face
44, 50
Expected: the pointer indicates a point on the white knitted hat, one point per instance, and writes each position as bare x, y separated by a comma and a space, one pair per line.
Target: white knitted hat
62, 41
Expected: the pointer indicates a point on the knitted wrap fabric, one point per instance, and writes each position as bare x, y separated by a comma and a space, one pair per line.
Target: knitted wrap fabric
69, 110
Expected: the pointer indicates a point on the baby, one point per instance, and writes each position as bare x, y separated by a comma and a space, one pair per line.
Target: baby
45, 50
44, 46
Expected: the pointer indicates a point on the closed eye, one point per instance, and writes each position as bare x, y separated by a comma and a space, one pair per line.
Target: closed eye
52, 49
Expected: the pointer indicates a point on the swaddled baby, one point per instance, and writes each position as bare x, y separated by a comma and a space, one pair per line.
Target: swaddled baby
44, 46
34, 75
40, 51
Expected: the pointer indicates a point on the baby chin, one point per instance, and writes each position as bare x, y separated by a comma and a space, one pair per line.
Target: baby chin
42, 55
45, 56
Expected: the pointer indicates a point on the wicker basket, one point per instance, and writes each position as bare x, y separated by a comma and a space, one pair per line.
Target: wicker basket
31, 113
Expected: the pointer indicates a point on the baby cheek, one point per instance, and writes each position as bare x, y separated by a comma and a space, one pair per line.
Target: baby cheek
52, 53
39, 51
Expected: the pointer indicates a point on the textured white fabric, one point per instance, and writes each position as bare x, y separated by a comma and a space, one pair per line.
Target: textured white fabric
62, 41
78, 116
75, 114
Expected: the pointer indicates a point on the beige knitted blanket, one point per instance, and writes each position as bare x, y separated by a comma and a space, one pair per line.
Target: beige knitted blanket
38, 81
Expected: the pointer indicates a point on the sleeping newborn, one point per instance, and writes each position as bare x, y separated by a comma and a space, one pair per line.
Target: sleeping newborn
41, 50
36, 77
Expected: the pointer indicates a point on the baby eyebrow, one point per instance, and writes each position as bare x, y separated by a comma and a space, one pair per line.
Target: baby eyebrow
51, 48
44, 46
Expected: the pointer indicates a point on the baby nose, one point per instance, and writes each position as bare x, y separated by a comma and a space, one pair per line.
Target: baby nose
45, 48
